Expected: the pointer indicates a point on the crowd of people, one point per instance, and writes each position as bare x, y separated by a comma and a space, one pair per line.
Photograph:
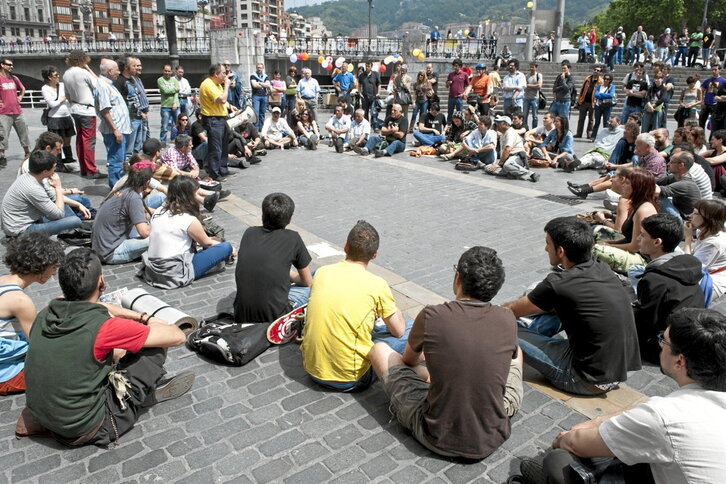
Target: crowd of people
631, 284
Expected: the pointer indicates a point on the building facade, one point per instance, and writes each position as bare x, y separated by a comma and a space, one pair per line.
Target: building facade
25, 19
96, 20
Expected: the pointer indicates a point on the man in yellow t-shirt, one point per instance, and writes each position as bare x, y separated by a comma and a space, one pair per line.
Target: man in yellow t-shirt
213, 94
345, 302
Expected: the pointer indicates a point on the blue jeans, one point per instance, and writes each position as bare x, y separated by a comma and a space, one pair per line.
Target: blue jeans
706, 54
626, 112
682, 54
619, 55
551, 356
487, 157
259, 104
393, 147
215, 163
560, 108
298, 295
666, 206
85, 201
168, 118
650, 121
115, 157
531, 106
454, 102
511, 105
54, 227
200, 152
155, 199
427, 139
129, 250
205, 260
380, 334
419, 109
137, 132
183, 106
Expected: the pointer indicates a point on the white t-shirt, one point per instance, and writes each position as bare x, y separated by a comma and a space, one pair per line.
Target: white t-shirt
478, 140
682, 436
712, 253
511, 138
169, 235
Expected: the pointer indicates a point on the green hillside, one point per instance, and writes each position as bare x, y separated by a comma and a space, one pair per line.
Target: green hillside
344, 15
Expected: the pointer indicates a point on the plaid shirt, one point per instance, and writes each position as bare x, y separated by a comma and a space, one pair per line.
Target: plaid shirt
174, 158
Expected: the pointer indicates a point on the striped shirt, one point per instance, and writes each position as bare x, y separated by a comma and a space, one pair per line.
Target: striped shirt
110, 98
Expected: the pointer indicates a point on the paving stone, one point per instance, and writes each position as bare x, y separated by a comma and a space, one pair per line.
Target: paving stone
161, 439
376, 442
409, 475
207, 455
183, 447
169, 471
240, 480
282, 443
325, 405
433, 463
107, 458
103, 476
35, 468
321, 425
308, 452
314, 473
209, 405
342, 437
71, 473
265, 385
202, 475
293, 419
344, 458
273, 469
300, 400
465, 472
236, 463
383, 464
202, 423
273, 396
352, 477
229, 427
264, 414
252, 436
144, 462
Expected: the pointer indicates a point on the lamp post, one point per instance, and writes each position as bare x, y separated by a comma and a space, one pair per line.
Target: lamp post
530, 34
370, 10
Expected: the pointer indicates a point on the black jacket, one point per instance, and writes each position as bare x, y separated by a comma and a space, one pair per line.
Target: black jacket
665, 287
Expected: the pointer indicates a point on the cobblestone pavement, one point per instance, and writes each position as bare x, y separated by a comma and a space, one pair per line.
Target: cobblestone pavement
266, 421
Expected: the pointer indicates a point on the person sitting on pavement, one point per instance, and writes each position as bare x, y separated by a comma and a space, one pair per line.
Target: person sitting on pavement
480, 146
601, 345
450, 406
200, 141
677, 191
182, 126
605, 144
556, 149
263, 275
622, 155
254, 140
393, 133
276, 133
121, 230
536, 136
179, 157
619, 249
705, 238
674, 438
520, 127
512, 157
32, 257
455, 132
669, 282
431, 127
170, 262
29, 205
697, 172
349, 310
338, 126
360, 130
716, 158
93, 354
308, 134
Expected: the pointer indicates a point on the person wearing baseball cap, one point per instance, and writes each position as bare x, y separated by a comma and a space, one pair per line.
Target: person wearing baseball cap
276, 133
479, 90
512, 161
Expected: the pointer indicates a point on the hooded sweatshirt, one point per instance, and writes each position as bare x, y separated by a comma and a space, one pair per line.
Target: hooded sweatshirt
66, 384
669, 283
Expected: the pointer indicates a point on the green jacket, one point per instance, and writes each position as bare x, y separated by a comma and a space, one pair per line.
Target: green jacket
169, 89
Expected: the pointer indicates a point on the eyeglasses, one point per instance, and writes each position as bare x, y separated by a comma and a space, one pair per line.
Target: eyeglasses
226, 65
598, 70
662, 340
184, 119
7, 65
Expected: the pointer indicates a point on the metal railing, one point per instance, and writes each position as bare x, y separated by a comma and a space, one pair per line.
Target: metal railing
316, 46
146, 45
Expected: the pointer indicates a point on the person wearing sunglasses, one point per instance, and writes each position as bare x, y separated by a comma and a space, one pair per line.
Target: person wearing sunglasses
11, 114
182, 126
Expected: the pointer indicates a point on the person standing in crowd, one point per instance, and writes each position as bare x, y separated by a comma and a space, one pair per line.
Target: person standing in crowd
422, 91
260, 91
706, 44
604, 95
586, 101
80, 83
213, 94
709, 88
115, 121
456, 82
144, 108
235, 86
562, 91
513, 86
694, 46
60, 121
531, 95
635, 85
11, 114
288, 100
308, 89
169, 90
185, 90
369, 82
126, 86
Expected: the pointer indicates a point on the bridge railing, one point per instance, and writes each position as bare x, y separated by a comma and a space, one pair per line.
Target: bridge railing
147, 45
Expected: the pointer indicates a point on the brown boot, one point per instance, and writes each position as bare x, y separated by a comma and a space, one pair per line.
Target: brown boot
27, 426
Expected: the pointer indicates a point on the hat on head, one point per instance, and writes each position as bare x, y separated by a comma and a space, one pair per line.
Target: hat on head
481, 66
503, 119
667, 31
276, 110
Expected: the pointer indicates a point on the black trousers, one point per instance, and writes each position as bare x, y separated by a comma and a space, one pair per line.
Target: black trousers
143, 370
586, 110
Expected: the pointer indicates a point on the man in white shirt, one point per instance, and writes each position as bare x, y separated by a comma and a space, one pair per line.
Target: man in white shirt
513, 85
536, 136
185, 90
276, 133
338, 126
680, 437
481, 145
512, 159
359, 131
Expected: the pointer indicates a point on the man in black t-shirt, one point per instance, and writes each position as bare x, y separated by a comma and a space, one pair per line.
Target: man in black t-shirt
431, 129
369, 82
450, 405
393, 132
590, 304
254, 142
199, 139
635, 86
263, 274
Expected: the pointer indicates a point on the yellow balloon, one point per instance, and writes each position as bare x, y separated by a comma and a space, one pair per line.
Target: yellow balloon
416, 52
321, 59
466, 32
350, 67
421, 56
530, 4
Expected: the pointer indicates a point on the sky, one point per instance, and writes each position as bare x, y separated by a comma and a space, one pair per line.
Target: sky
300, 3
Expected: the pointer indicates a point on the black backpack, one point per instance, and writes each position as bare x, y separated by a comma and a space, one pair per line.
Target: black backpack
221, 339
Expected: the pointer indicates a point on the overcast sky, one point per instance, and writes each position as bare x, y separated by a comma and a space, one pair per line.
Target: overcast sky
300, 3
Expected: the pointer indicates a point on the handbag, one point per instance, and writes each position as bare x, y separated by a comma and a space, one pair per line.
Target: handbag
44, 117
681, 114
403, 97
542, 100
222, 340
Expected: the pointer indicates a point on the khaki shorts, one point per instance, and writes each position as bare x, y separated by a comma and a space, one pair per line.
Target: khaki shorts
408, 392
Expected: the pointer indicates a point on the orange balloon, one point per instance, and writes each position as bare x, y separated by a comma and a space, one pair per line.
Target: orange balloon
305, 56
382, 68
321, 59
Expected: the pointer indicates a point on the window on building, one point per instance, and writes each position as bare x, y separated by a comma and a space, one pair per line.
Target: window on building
40, 15
29, 32
15, 31
13, 14
26, 13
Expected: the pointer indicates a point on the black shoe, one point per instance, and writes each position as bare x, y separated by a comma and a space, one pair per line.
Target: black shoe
580, 192
3, 161
573, 184
174, 387
240, 162
224, 194
338, 143
357, 149
534, 177
210, 201
95, 176
465, 166
379, 153
532, 472
254, 159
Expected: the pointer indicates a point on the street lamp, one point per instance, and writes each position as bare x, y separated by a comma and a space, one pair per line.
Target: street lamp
530, 34
370, 9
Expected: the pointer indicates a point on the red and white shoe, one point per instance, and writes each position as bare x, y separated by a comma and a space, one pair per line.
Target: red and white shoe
285, 328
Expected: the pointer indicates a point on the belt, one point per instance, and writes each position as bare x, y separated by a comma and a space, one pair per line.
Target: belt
183, 96
308, 97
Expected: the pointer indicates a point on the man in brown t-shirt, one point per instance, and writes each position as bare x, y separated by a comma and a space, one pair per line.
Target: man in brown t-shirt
460, 403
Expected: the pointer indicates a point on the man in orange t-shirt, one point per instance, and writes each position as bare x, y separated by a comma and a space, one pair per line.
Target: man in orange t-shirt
481, 85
